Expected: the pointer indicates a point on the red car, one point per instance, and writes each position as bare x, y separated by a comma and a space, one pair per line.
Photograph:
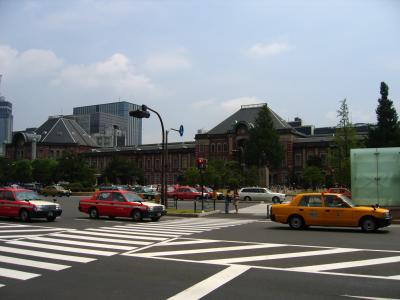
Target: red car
185, 192
120, 203
26, 204
340, 190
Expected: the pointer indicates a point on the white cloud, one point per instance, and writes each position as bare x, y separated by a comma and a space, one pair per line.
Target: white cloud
265, 50
235, 104
116, 73
167, 63
32, 62
203, 104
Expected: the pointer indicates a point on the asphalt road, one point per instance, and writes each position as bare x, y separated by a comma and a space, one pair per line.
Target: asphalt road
221, 257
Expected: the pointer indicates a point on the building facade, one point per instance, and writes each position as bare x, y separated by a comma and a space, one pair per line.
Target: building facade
110, 123
6, 124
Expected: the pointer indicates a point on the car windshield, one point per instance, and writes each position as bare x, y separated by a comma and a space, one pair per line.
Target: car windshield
132, 197
193, 190
27, 195
347, 200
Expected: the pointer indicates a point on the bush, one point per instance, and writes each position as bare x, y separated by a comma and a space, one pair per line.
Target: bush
79, 187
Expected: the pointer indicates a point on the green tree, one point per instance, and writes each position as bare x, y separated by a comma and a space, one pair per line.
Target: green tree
345, 140
6, 172
387, 132
123, 171
263, 147
73, 168
313, 176
44, 170
23, 170
191, 176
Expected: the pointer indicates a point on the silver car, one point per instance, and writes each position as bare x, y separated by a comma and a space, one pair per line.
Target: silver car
260, 194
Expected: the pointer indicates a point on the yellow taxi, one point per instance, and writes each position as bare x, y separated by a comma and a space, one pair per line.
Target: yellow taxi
329, 209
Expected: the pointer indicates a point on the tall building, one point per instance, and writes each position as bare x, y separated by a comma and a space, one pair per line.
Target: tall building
6, 123
110, 123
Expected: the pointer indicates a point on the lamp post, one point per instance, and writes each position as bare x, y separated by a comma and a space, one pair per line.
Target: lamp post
143, 113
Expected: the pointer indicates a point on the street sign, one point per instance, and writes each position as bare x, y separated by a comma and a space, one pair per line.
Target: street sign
181, 130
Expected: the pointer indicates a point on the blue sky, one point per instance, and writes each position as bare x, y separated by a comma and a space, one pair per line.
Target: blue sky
196, 62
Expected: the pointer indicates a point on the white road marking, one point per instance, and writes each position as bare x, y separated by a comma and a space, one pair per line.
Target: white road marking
62, 248
151, 231
17, 274
186, 243
100, 232
161, 229
1, 285
180, 227
208, 250
136, 233
370, 298
90, 238
47, 255
349, 264
210, 284
280, 256
397, 277
32, 263
5, 225
95, 245
29, 230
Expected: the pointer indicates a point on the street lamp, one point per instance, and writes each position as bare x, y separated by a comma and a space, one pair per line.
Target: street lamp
143, 113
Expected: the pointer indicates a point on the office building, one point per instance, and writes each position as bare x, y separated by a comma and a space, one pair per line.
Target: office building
110, 124
6, 123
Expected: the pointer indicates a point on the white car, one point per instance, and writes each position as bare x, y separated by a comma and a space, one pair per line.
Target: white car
260, 194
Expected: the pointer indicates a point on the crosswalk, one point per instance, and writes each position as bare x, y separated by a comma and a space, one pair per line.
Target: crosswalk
30, 254
15, 231
353, 262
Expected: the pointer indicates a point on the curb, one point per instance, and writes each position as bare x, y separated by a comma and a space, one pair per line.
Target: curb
194, 215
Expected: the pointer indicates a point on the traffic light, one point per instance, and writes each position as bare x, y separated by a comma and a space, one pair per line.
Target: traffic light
201, 163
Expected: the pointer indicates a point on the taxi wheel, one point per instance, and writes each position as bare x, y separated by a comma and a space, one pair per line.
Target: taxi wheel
136, 215
93, 213
368, 225
296, 222
155, 219
24, 215
247, 198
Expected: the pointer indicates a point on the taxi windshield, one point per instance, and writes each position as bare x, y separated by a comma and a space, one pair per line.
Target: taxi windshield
26, 195
347, 200
132, 197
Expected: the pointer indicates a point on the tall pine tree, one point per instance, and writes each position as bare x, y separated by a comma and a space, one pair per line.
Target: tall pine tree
387, 131
263, 147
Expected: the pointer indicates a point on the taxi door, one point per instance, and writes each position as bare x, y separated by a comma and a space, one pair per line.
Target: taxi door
104, 203
312, 210
120, 207
337, 212
8, 204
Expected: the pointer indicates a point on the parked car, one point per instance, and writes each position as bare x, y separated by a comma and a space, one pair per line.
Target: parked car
207, 192
55, 190
260, 194
26, 204
146, 193
184, 193
120, 203
34, 186
340, 190
328, 209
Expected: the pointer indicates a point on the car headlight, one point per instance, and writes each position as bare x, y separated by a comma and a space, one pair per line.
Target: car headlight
39, 207
150, 208
387, 214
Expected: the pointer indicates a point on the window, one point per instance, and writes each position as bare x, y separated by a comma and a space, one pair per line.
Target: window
103, 196
334, 201
225, 147
157, 163
311, 201
298, 160
212, 148
219, 147
184, 163
8, 196
118, 197
201, 148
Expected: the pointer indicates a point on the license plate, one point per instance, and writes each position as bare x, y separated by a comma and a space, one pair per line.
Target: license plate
158, 214
50, 214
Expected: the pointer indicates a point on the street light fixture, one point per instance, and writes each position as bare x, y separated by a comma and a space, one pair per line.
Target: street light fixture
143, 113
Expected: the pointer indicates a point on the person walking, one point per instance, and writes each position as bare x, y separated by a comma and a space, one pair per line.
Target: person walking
228, 198
236, 200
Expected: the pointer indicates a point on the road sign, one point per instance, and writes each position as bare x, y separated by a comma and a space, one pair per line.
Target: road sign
181, 130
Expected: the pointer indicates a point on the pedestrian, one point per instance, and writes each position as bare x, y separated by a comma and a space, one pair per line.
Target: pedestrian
228, 198
236, 200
